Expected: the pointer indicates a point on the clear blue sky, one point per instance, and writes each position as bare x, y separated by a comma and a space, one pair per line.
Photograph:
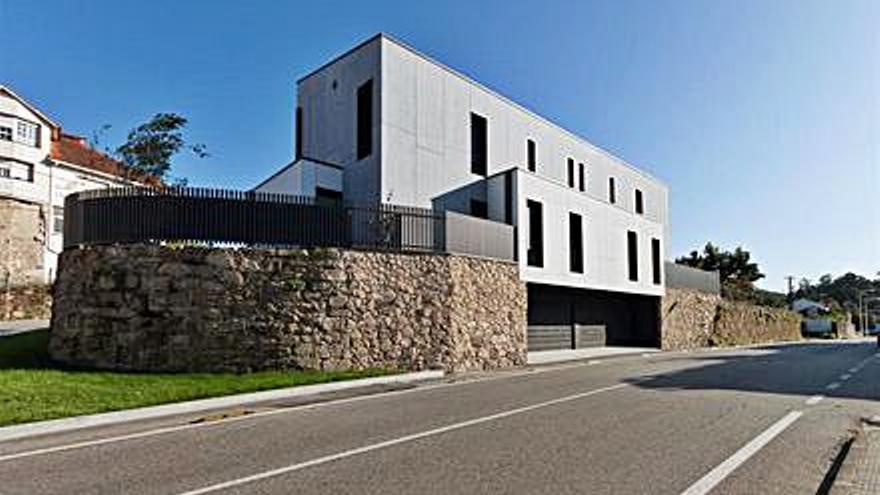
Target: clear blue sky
762, 116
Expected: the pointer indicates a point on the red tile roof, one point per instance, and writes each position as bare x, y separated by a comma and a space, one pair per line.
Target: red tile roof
75, 150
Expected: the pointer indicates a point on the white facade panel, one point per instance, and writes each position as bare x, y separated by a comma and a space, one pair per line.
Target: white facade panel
422, 157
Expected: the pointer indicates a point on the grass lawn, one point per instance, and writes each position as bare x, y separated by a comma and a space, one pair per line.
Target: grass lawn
33, 388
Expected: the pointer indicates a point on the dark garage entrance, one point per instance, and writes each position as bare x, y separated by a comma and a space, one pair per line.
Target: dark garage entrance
570, 318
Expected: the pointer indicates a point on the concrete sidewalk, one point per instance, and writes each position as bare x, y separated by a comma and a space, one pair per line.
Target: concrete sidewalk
546, 357
15, 327
860, 472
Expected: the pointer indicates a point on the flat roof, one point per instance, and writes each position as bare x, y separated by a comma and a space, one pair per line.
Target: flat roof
489, 90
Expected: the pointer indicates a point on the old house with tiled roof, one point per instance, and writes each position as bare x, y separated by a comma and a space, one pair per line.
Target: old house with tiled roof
39, 165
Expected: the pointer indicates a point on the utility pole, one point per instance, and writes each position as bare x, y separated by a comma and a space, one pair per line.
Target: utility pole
790, 286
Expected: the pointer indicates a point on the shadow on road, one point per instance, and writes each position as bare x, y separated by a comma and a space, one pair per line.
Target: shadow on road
792, 369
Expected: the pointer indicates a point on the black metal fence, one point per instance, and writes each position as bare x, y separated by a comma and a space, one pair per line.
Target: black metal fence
218, 216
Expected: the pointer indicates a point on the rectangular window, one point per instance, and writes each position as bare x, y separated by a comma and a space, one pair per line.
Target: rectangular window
535, 254
14, 169
27, 133
365, 120
571, 172
612, 191
575, 243
58, 219
479, 209
640, 204
655, 260
632, 247
531, 155
582, 177
5, 133
479, 144
298, 153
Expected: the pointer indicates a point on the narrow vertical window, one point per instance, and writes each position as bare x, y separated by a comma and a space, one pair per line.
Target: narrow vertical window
479, 144
571, 172
632, 247
575, 243
531, 155
640, 203
582, 177
612, 191
365, 120
298, 153
535, 253
655, 260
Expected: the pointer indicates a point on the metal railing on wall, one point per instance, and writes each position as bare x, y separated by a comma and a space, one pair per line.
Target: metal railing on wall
220, 216
686, 277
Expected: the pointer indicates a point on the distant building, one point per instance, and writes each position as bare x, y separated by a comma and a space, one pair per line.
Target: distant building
39, 166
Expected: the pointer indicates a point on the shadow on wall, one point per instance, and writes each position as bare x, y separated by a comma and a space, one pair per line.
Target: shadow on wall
763, 371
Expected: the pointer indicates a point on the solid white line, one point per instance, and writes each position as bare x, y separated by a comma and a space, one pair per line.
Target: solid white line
397, 441
812, 401
286, 410
833, 386
65, 425
705, 484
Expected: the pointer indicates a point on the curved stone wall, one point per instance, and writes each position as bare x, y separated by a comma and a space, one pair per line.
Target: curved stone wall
155, 308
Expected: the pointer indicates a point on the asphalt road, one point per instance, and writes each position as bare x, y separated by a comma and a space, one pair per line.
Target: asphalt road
754, 421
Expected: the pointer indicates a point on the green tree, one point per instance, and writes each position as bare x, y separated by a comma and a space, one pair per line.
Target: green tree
735, 268
150, 147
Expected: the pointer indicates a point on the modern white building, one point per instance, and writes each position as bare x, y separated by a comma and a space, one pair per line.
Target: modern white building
39, 166
383, 123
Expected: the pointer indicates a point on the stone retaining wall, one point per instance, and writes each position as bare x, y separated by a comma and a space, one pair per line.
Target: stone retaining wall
155, 308
694, 319
28, 302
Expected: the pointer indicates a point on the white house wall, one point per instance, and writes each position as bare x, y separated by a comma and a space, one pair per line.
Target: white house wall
329, 116
287, 181
605, 230
426, 104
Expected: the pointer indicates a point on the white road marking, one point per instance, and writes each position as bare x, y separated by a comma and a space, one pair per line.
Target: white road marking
812, 401
273, 412
397, 441
833, 386
854, 369
845, 376
705, 484
593, 362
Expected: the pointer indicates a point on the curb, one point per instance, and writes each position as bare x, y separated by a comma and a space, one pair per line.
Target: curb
63, 425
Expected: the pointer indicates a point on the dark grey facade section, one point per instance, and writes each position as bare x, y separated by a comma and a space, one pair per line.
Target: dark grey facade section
478, 237
686, 277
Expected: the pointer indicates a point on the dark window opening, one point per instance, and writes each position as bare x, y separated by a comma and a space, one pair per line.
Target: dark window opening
632, 242
479, 209
365, 120
535, 254
299, 133
479, 144
508, 199
655, 260
612, 191
582, 177
575, 243
570, 172
640, 204
325, 196
531, 155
